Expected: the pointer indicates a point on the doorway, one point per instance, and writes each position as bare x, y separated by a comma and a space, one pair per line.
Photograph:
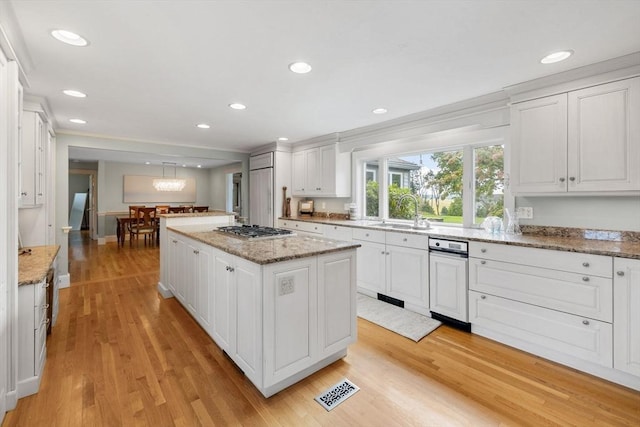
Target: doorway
85, 181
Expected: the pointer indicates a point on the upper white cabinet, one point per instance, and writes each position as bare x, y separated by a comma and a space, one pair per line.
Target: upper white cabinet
321, 172
583, 141
32, 159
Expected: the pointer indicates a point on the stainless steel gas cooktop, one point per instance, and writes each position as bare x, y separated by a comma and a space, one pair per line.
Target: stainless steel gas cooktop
255, 232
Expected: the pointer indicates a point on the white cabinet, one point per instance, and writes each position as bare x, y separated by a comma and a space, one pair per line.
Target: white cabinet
32, 335
338, 232
554, 304
303, 228
261, 197
34, 136
583, 141
448, 286
626, 319
394, 264
321, 172
237, 312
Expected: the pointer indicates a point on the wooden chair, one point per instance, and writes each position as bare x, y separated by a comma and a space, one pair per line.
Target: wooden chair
162, 209
187, 208
201, 209
142, 221
176, 209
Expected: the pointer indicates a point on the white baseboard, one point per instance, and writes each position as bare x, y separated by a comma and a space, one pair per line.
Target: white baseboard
11, 400
64, 281
164, 291
101, 241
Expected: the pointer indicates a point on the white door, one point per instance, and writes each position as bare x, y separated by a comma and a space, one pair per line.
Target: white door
222, 301
448, 293
408, 276
371, 268
604, 137
626, 316
247, 317
261, 197
299, 173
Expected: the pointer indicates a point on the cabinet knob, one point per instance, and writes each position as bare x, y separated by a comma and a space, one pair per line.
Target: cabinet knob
562, 179
483, 297
382, 253
404, 240
620, 273
174, 241
296, 225
585, 322
483, 262
572, 178
585, 264
195, 251
231, 269
367, 234
24, 193
483, 250
585, 279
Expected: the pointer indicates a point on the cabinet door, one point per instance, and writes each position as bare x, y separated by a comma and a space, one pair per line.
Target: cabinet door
31, 127
371, 268
299, 173
448, 286
626, 317
181, 267
539, 145
604, 137
192, 253
337, 314
291, 318
223, 301
327, 170
261, 197
246, 318
172, 262
204, 287
408, 276
40, 160
314, 171
338, 233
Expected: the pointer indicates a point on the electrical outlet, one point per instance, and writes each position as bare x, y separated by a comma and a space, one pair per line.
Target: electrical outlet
286, 285
524, 212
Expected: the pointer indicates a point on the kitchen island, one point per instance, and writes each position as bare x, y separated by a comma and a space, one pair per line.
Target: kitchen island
281, 308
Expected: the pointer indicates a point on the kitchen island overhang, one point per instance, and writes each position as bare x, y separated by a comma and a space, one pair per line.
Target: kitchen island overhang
281, 308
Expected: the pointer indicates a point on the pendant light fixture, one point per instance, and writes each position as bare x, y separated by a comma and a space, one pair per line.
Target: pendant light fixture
169, 184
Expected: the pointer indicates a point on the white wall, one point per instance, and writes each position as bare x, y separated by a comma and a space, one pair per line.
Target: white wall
218, 186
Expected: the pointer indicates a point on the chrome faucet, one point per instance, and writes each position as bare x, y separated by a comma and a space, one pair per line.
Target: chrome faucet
416, 217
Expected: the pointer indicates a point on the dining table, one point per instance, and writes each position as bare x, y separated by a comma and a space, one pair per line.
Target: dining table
122, 222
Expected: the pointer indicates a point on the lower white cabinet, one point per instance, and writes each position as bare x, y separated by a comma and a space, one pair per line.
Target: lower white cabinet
448, 286
32, 336
396, 265
626, 319
338, 232
541, 330
303, 228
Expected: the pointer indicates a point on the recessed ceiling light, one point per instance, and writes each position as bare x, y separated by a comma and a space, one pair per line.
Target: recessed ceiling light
199, 166
184, 166
283, 138
379, 111
69, 38
300, 67
78, 121
237, 106
147, 163
203, 126
556, 56
74, 93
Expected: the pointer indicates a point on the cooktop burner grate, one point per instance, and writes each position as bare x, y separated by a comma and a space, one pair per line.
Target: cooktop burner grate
255, 231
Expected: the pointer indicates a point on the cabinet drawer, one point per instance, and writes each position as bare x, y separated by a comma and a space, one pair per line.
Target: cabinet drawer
306, 227
574, 293
548, 331
376, 236
596, 265
407, 240
338, 232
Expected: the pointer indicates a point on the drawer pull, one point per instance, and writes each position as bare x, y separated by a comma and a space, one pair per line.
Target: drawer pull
404, 240
483, 250
483, 297
382, 253
585, 264
367, 235
562, 179
174, 241
195, 251
620, 273
585, 322
483, 262
585, 279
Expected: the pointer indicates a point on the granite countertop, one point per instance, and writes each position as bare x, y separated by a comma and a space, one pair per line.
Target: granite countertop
265, 251
597, 242
34, 263
185, 215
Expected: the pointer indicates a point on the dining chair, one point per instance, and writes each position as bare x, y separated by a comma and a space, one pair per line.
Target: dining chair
143, 221
162, 209
201, 209
176, 209
187, 208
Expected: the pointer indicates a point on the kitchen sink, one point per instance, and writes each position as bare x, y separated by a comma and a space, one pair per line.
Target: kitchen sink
398, 226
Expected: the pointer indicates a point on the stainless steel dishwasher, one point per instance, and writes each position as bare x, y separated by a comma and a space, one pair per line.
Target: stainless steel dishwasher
448, 282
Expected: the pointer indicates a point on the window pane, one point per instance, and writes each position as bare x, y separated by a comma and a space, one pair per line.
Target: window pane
489, 182
435, 179
371, 189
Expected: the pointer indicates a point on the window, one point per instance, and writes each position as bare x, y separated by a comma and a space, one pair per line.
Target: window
371, 175
436, 180
371, 208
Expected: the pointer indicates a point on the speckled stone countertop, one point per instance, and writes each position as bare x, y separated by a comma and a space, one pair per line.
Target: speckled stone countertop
622, 244
185, 215
33, 266
266, 251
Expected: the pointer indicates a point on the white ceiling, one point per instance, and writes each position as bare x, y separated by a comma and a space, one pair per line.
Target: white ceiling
154, 69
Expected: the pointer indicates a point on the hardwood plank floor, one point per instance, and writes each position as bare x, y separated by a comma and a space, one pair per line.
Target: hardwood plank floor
121, 355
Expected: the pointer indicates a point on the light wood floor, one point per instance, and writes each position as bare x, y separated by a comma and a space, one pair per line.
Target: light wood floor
122, 355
